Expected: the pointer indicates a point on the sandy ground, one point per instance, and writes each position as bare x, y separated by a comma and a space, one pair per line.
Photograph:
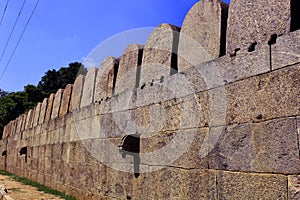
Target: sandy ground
19, 191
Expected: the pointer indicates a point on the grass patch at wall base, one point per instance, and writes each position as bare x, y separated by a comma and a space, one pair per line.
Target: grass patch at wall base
39, 186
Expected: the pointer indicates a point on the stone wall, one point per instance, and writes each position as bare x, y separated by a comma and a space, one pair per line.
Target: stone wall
223, 128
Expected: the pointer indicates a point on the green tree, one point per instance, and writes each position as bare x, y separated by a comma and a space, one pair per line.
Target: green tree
54, 80
11, 106
14, 104
33, 96
3, 93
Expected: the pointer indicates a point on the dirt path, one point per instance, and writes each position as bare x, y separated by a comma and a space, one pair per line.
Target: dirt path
20, 191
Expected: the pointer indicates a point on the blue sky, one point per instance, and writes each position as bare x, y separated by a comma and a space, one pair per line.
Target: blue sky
64, 31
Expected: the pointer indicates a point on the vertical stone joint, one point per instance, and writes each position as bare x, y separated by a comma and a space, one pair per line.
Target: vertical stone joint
174, 56
116, 68
224, 18
295, 15
138, 71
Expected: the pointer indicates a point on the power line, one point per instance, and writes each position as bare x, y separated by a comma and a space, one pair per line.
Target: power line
12, 30
19, 40
4, 11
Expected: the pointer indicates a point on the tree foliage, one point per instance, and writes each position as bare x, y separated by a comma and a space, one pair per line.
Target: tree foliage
14, 104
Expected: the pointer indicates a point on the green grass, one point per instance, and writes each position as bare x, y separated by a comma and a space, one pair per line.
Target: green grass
15, 189
39, 186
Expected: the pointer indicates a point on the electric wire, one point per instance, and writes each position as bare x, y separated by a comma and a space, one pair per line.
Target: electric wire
12, 30
4, 11
19, 40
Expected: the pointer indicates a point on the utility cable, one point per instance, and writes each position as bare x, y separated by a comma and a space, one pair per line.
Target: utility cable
19, 40
13, 29
4, 11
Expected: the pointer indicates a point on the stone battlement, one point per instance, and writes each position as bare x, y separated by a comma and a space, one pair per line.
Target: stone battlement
214, 104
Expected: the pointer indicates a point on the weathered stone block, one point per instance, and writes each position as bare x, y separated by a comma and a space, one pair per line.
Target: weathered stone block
28, 119
104, 107
118, 184
26, 134
227, 69
269, 146
49, 107
128, 75
124, 121
175, 87
141, 187
77, 92
19, 124
88, 88
43, 111
234, 149
55, 136
263, 97
43, 139
84, 113
111, 157
86, 176
202, 34
251, 186
88, 128
35, 140
159, 51
293, 187
122, 102
179, 149
159, 179
73, 132
10, 129
24, 116
276, 146
63, 135
254, 22
109, 127
37, 110
6, 131
56, 152
66, 100
147, 119
105, 79
185, 113
14, 126
199, 184
286, 50
56, 103
190, 144
99, 178
149, 95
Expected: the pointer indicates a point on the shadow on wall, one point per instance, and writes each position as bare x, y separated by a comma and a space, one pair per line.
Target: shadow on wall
295, 15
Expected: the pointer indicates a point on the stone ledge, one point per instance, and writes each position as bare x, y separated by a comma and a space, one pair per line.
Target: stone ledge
286, 51
265, 147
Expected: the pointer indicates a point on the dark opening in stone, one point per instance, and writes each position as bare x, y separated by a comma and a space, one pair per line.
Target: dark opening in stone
116, 68
130, 145
138, 70
252, 47
23, 151
273, 39
295, 15
174, 56
235, 52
